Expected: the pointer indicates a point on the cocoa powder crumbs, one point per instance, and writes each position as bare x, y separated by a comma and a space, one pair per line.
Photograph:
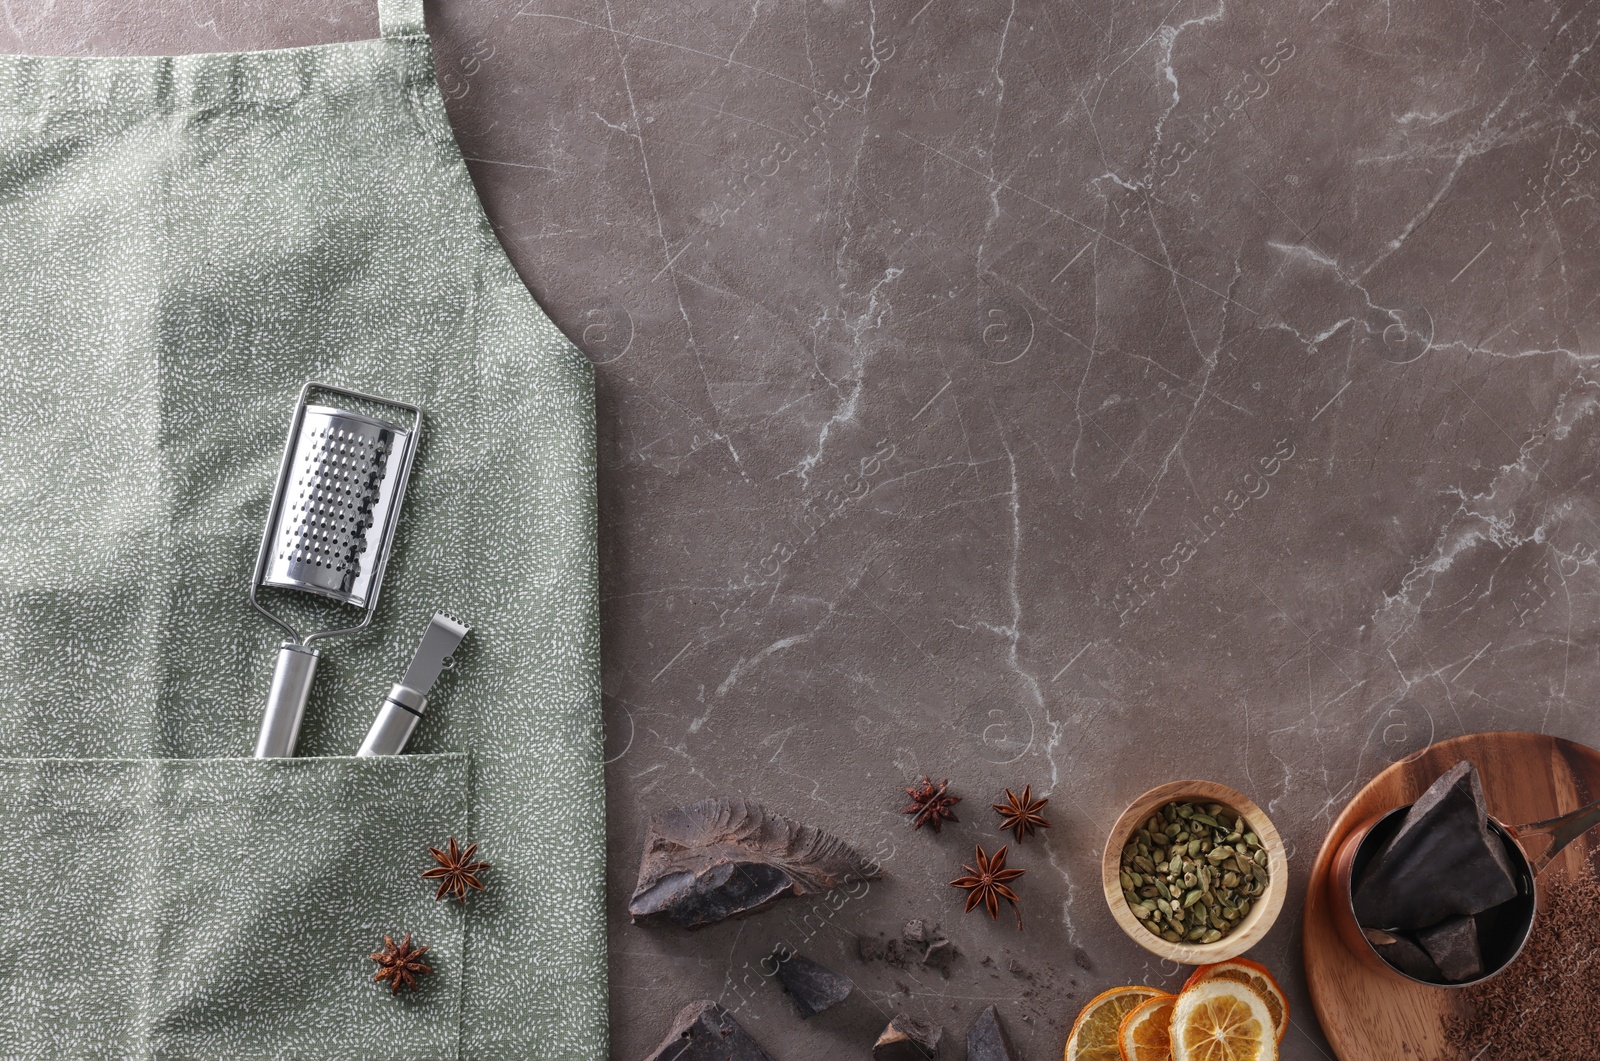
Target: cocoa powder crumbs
1545, 1006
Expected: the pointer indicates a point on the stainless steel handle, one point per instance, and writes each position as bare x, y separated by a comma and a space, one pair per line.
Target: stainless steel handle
296, 666
408, 698
399, 715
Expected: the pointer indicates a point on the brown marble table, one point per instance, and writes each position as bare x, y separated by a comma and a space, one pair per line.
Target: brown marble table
1083, 394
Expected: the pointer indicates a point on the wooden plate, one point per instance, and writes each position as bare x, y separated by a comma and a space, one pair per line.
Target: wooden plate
1526, 777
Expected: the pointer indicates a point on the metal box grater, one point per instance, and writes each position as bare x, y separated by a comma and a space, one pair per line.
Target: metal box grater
338, 502
334, 510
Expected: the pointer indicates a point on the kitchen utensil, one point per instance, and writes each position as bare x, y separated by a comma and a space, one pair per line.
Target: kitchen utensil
1510, 925
408, 698
1262, 914
328, 534
1367, 1013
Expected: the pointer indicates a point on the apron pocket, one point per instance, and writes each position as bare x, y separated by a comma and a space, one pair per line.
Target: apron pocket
226, 908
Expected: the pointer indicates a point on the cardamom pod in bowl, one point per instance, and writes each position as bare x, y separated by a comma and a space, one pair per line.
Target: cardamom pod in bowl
1194, 872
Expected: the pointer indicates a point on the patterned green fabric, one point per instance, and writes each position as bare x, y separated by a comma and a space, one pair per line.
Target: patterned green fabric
183, 243
217, 901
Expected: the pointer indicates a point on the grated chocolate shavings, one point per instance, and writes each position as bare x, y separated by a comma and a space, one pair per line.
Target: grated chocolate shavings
1544, 1006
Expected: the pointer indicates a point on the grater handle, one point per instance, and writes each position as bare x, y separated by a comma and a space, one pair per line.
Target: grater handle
296, 666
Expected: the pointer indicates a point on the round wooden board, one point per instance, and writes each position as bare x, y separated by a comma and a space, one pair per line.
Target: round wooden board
1526, 777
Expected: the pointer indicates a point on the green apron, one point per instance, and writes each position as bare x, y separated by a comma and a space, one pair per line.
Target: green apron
185, 241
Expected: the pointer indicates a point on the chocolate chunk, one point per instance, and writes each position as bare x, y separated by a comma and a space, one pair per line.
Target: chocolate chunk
1444, 862
907, 1039
1404, 954
920, 942
923, 941
721, 858
704, 1031
941, 953
986, 1040
813, 987
1453, 946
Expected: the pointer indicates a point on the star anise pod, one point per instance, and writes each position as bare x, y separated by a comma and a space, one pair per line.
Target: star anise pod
987, 884
456, 872
1021, 814
930, 804
401, 964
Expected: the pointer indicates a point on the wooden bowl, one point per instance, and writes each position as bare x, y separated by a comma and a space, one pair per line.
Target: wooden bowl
1263, 912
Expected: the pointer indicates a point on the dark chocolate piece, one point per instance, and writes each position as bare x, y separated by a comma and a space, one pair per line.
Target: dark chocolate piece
1404, 954
928, 945
813, 987
721, 858
920, 942
1444, 862
986, 1039
907, 1039
941, 953
704, 1031
1453, 946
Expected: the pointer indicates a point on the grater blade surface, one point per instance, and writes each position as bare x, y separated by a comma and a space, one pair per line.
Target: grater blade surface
332, 520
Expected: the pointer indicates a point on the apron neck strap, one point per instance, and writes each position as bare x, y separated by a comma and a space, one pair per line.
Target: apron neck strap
400, 18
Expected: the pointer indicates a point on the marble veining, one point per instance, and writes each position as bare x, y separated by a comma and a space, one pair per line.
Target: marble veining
1082, 394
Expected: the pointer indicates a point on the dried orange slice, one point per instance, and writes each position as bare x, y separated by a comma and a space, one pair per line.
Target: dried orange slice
1094, 1033
1222, 1020
1245, 971
1146, 1033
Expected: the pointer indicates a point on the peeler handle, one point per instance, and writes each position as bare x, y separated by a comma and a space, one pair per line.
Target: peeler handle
401, 711
408, 698
296, 666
